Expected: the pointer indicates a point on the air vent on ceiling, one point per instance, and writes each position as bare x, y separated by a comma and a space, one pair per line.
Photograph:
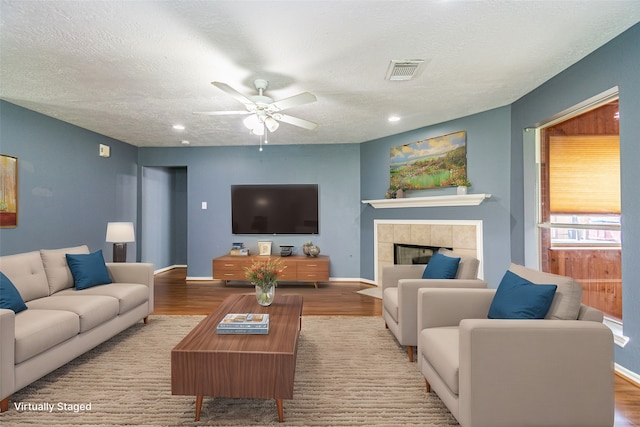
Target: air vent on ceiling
403, 69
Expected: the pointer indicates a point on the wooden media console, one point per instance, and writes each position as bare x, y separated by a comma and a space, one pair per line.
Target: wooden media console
299, 268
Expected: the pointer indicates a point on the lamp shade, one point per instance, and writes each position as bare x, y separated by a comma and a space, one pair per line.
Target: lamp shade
252, 122
272, 124
120, 232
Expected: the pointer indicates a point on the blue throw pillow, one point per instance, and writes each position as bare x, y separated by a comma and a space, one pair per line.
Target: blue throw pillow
441, 267
88, 269
10, 298
518, 298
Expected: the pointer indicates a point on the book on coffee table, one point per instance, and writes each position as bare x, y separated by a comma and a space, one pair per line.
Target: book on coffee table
244, 323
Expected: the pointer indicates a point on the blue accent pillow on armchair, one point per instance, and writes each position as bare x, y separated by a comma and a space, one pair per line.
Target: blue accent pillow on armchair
518, 298
10, 298
88, 269
441, 267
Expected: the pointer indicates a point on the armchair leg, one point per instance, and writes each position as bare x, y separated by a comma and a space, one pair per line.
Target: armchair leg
428, 385
410, 352
4, 404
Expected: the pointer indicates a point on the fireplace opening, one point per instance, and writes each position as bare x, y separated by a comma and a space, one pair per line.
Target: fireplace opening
413, 254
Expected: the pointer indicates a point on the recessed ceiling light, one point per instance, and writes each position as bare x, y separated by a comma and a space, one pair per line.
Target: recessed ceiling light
394, 118
178, 127
185, 142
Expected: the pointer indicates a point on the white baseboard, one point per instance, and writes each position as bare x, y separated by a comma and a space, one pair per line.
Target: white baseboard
630, 375
171, 267
352, 279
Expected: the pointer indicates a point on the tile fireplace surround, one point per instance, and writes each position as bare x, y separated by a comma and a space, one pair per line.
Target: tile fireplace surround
464, 236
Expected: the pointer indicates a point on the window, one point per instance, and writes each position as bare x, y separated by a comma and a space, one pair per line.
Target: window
584, 190
579, 211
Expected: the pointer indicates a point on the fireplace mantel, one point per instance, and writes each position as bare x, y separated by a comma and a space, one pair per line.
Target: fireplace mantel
432, 201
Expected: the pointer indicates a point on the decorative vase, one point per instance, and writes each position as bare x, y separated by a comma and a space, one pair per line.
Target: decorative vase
313, 250
265, 293
306, 248
462, 190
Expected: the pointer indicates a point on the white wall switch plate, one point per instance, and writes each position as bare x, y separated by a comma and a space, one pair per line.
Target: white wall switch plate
204, 205
105, 150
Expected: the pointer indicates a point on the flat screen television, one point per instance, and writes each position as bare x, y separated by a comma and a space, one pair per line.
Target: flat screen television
274, 209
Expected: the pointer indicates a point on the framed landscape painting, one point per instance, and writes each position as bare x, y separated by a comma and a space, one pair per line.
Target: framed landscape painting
8, 191
430, 163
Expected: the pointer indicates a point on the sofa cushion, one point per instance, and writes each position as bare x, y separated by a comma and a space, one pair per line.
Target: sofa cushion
440, 347
468, 266
9, 296
518, 298
566, 302
129, 295
390, 301
88, 270
55, 266
27, 274
39, 330
93, 310
441, 267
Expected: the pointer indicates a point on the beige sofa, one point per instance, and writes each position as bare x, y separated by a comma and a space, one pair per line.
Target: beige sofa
515, 373
400, 284
61, 322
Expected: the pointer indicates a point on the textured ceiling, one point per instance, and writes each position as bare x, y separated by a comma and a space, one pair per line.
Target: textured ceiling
132, 69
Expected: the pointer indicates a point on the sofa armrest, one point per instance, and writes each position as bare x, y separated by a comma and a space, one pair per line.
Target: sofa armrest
133, 272
393, 273
7, 352
408, 298
538, 370
447, 307
590, 314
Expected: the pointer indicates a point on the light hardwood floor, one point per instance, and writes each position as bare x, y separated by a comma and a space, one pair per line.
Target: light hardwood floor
175, 296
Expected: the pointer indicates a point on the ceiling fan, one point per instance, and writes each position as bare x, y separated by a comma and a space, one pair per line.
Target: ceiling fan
264, 112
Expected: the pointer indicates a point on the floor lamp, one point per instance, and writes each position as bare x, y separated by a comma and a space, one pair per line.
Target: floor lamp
120, 233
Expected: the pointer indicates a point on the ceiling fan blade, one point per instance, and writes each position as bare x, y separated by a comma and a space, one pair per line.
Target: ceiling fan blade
234, 93
292, 101
297, 122
221, 113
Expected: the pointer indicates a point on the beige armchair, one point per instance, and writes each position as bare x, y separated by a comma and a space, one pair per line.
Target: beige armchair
400, 284
517, 373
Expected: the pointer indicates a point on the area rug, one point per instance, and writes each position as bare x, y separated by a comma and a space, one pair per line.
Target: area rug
350, 371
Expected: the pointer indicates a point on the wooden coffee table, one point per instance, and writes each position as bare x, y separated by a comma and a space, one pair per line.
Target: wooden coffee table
240, 366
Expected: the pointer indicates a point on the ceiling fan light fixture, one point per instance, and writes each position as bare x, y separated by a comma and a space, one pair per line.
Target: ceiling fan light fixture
263, 112
252, 122
258, 130
271, 124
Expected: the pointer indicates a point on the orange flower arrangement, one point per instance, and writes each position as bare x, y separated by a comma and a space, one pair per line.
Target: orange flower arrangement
264, 273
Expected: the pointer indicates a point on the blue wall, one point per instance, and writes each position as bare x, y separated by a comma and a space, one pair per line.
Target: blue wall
212, 170
66, 192
487, 168
615, 64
